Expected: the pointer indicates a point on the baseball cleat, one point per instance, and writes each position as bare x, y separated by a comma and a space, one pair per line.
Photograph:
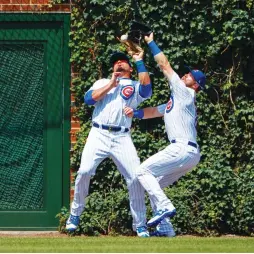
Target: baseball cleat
142, 232
160, 215
164, 229
72, 223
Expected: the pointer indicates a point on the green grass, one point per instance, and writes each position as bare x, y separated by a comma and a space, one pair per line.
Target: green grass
126, 244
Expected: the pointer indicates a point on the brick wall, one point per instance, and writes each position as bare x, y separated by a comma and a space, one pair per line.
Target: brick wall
75, 127
33, 6
46, 6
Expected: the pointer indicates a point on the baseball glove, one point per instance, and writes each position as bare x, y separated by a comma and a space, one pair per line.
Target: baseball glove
131, 47
138, 28
132, 40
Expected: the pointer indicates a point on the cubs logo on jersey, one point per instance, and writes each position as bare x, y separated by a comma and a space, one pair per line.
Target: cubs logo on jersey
127, 92
170, 104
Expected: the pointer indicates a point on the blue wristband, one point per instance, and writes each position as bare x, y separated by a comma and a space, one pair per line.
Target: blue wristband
140, 66
138, 113
154, 48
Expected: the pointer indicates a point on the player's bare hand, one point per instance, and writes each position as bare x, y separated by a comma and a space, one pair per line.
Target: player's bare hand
128, 111
114, 79
138, 56
149, 38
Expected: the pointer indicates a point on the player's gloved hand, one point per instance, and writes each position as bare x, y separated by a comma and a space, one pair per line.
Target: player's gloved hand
138, 29
149, 38
128, 111
114, 79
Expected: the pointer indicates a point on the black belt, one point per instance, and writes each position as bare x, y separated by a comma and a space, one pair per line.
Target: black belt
110, 128
189, 143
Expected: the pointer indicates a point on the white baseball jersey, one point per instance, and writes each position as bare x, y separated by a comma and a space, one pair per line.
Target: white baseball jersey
180, 112
118, 146
109, 110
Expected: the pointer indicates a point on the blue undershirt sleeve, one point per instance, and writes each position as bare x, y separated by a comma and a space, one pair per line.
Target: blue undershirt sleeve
145, 91
88, 98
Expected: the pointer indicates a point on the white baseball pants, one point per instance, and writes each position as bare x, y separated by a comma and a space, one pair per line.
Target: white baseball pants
101, 144
164, 168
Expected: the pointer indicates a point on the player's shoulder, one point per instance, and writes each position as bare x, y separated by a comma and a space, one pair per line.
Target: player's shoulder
100, 83
179, 88
191, 92
188, 97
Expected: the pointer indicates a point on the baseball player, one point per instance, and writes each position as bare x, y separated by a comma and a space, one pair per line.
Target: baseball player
110, 136
168, 165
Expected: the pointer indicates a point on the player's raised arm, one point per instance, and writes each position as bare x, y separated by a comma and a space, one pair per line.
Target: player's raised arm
145, 113
145, 88
159, 57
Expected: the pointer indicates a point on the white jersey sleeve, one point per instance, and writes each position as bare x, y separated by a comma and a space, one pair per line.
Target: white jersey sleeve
178, 88
99, 84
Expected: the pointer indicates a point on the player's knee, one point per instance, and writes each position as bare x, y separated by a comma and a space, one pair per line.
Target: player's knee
140, 172
132, 182
135, 189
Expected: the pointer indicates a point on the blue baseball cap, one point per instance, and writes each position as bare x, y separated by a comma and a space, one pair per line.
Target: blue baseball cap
199, 77
118, 55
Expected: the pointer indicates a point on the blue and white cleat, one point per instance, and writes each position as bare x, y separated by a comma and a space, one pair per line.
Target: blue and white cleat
143, 232
72, 223
164, 229
160, 215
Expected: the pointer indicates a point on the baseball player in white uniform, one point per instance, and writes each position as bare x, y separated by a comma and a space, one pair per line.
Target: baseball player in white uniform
110, 136
168, 165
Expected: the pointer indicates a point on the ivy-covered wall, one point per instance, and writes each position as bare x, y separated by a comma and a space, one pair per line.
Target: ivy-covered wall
217, 197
